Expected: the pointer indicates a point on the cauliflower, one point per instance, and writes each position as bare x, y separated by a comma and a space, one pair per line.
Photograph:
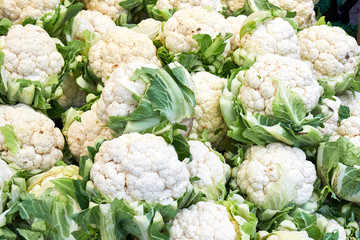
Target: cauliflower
331, 124
204, 221
109, 8
41, 143
349, 128
6, 172
137, 167
92, 21
30, 53
72, 95
236, 24
328, 226
82, 134
259, 83
351, 100
210, 167
118, 47
179, 30
234, 5
276, 175
18, 10
215, 5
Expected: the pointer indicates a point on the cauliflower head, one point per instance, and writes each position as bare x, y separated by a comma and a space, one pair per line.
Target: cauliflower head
332, 52
72, 95
137, 167
30, 53
41, 143
351, 100
349, 128
330, 225
234, 5
82, 134
210, 167
236, 24
204, 220
331, 124
207, 111
109, 8
179, 30
259, 83
93, 21
18, 10
6, 173
276, 175
215, 5
118, 47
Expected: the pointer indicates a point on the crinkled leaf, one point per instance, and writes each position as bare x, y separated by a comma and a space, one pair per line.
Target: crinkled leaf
11, 140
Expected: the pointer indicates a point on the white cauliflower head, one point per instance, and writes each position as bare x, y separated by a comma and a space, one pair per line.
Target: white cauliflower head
82, 134
234, 5
72, 95
179, 30
137, 167
18, 10
93, 21
30, 53
204, 220
331, 124
210, 167
215, 5
351, 100
259, 83
236, 24
330, 225
349, 128
41, 143
276, 175
118, 47
331, 51
109, 8
207, 111
6, 173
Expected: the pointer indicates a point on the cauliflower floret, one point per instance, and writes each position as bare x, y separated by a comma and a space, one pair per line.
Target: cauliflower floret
331, 51
209, 167
275, 175
331, 124
349, 128
137, 167
117, 96
179, 30
351, 100
41, 143
118, 47
215, 5
207, 111
203, 221
236, 24
259, 87
18, 10
234, 5
30, 53
92, 21
109, 8
6, 172
82, 134
72, 95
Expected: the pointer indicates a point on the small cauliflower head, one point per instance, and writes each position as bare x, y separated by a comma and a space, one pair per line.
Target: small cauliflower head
6, 172
72, 95
236, 24
331, 124
179, 30
18, 10
234, 5
82, 134
352, 101
215, 5
330, 225
117, 96
137, 167
41, 143
30, 53
207, 110
93, 21
204, 220
110, 8
349, 128
210, 167
118, 47
260, 83
276, 175
332, 52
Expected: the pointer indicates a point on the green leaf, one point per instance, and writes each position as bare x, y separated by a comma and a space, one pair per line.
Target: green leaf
5, 24
130, 4
321, 21
11, 140
344, 113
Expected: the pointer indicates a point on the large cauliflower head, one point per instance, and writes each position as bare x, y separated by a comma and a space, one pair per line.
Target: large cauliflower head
207, 111
41, 143
349, 128
331, 124
215, 5
204, 220
351, 100
118, 47
109, 8
137, 167
332, 52
82, 134
93, 21
276, 175
179, 30
18, 10
30, 53
260, 83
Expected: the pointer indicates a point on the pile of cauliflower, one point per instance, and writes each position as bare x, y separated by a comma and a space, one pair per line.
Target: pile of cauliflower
177, 119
